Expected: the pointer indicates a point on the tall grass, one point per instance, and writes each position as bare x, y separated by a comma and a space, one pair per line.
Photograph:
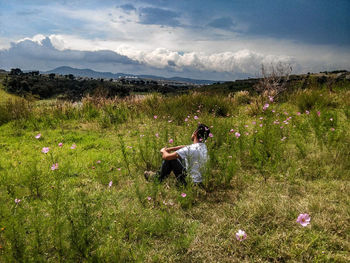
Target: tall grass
265, 168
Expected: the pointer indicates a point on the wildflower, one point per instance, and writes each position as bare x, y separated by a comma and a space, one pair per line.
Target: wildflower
171, 141
230, 156
142, 135
149, 198
307, 112
270, 98
318, 113
254, 122
241, 235
298, 113
45, 150
157, 135
186, 119
169, 121
155, 117
17, 201
119, 169
232, 130
198, 111
38, 136
261, 118
246, 126
93, 167
273, 111
196, 117
260, 125
246, 133
183, 195
285, 113
237, 134
283, 138
200, 139
73, 146
129, 147
60, 144
98, 161
276, 122
211, 135
332, 129
303, 219
110, 184
54, 166
266, 106
331, 119
281, 127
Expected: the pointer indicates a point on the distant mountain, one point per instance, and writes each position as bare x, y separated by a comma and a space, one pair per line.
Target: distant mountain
108, 75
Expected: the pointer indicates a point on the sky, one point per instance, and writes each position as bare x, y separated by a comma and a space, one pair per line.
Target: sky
217, 40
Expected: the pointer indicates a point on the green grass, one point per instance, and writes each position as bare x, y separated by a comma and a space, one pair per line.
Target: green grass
259, 182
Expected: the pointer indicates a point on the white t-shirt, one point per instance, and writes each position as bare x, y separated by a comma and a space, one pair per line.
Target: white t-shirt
195, 156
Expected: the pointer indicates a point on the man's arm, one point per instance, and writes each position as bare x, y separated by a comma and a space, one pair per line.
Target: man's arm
173, 149
169, 156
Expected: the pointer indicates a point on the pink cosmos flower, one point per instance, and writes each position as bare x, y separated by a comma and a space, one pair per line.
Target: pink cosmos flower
155, 116
186, 119
241, 235
331, 119
237, 134
298, 113
157, 135
110, 184
17, 201
73, 146
303, 219
246, 133
211, 135
45, 150
169, 121
93, 167
198, 111
285, 113
38, 136
266, 106
171, 141
318, 113
98, 161
54, 166
273, 111
200, 139
183, 195
149, 198
119, 169
246, 126
232, 130
270, 98
254, 122
60, 144
196, 117
332, 129
260, 125
307, 112
276, 122
261, 118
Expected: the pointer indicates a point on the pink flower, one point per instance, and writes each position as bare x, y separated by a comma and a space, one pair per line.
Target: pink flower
149, 198
237, 134
307, 112
186, 119
38, 136
232, 130
171, 141
110, 184
276, 122
246, 126
241, 235
273, 111
261, 118
331, 119
246, 133
73, 146
318, 113
155, 116
254, 122
119, 169
183, 195
17, 201
60, 144
270, 98
260, 125
54, 166
298, 113
198, 111
266, 106
93, 167
196, 117
332, 129
45, 150
285, 113
157, 135
211, 135
98, 161
303, 219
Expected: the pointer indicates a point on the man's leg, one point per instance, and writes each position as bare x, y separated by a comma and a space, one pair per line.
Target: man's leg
175, 166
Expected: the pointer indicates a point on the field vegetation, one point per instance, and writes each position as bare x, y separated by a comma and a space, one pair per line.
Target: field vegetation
72, 186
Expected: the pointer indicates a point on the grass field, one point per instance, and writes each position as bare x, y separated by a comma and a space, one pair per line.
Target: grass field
95, 206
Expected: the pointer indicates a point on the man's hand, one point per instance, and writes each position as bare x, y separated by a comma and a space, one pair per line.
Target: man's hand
163, 150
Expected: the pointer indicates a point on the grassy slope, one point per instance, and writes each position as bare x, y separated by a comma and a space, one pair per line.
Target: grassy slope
71, 214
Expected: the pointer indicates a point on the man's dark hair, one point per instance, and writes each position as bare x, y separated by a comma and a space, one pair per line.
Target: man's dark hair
202, 132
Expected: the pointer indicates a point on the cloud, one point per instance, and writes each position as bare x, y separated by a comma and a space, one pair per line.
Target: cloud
127, 8
158, 16
225, 23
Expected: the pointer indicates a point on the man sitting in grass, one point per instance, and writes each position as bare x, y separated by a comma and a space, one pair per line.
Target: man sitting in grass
184, 159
